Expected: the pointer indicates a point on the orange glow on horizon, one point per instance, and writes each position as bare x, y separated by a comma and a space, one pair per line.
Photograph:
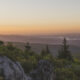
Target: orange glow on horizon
41, 29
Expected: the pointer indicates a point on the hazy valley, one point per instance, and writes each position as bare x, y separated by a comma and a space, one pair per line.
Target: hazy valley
39, 42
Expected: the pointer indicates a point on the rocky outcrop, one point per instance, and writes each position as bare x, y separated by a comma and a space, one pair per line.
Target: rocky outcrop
11, 70
44, 71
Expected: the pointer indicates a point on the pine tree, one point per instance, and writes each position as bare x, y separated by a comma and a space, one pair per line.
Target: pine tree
28, 47
45, 51
64, 53
1, 43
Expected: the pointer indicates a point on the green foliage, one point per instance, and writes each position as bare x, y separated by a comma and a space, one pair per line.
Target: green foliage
64, 53
45, 51
64, 67
61, 63
11, 52
27, 66
1, 43
76, 70
27, 47
10, 46
1, 74
65, 74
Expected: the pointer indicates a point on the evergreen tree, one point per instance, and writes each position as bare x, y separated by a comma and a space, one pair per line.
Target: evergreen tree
45, 51
1, 43
64, 53
28, 47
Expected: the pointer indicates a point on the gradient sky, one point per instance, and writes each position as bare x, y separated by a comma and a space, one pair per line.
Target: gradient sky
29, 17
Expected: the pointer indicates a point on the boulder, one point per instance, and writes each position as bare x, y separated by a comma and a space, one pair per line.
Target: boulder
10, 70
44, 71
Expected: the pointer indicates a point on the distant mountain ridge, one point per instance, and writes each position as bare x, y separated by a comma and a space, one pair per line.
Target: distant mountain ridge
73, 39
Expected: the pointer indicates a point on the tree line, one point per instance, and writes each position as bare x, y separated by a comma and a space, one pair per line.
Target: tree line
66, 67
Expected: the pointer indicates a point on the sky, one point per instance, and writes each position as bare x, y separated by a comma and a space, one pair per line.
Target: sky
32, 17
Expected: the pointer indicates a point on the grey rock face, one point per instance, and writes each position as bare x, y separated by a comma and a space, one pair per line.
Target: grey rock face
44, 71
11, 70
